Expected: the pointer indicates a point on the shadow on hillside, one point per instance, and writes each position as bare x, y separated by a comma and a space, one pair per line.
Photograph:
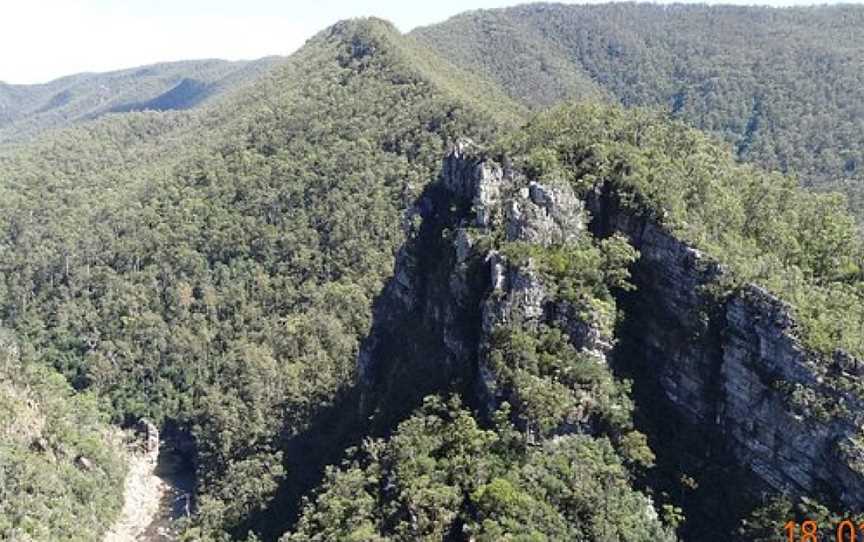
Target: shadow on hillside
406, 348
425, 331
331, 430
694, 470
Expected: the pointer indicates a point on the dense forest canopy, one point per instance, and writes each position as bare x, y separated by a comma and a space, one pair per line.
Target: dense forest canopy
227, 289
784, 87
61, 466
216, 268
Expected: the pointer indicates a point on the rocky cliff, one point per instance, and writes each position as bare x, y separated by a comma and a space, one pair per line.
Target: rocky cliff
452, 287
733, 367
426, 320
728, 365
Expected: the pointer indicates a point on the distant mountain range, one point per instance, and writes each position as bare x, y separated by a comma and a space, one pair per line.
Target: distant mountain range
27, 110
785, 87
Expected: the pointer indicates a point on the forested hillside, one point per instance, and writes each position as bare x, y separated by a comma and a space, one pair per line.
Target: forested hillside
28, 110
61, 465
784, 87
226, 290
372, 295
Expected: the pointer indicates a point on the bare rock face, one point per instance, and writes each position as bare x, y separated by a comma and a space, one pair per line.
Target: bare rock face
40, 444
425, 322
792, 447
520, 297
533, 213
84, 463
470, 177
731, 367
460, 290
545, 214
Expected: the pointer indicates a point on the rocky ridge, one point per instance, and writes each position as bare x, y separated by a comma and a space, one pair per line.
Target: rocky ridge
729, 366
450, 277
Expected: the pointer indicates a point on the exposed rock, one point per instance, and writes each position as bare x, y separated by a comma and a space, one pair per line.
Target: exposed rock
497, 267
723, 364
425, 325
40, 444
148, 434
460, 292
545, 214
143, 493
585, 332
470, 177
720, 363
159, 493
790, 451
536, 214
84, 463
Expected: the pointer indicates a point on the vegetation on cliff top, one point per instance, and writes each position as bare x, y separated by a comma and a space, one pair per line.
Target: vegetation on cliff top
218, 270
801, 246
441, 475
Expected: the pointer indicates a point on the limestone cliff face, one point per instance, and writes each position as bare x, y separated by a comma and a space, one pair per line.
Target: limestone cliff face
728, 366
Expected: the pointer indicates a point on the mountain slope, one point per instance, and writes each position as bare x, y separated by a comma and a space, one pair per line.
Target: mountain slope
290, 279
514, 289
61, 466
743, 333
782, 86
27, 110
223, 282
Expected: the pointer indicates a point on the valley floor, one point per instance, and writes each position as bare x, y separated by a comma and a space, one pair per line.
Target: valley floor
155, 495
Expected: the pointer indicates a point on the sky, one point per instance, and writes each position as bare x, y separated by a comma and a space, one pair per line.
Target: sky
41, 40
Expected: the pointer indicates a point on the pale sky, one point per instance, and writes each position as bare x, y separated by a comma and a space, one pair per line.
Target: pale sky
41, 40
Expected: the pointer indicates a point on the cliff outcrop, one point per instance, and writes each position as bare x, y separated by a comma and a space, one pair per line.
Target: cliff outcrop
729, 365
733, 366
452, 287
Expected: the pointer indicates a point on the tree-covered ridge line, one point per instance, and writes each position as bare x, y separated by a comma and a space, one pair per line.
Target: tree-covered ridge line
217, 268
782, 86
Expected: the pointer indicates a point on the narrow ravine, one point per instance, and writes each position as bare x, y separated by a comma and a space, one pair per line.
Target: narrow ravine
158, 491
177, 479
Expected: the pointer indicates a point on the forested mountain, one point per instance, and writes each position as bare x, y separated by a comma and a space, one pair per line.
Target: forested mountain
226, 290
380, 298
27, 110
785, 87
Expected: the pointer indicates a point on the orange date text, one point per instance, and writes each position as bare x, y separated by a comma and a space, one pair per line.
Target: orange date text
809, 531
